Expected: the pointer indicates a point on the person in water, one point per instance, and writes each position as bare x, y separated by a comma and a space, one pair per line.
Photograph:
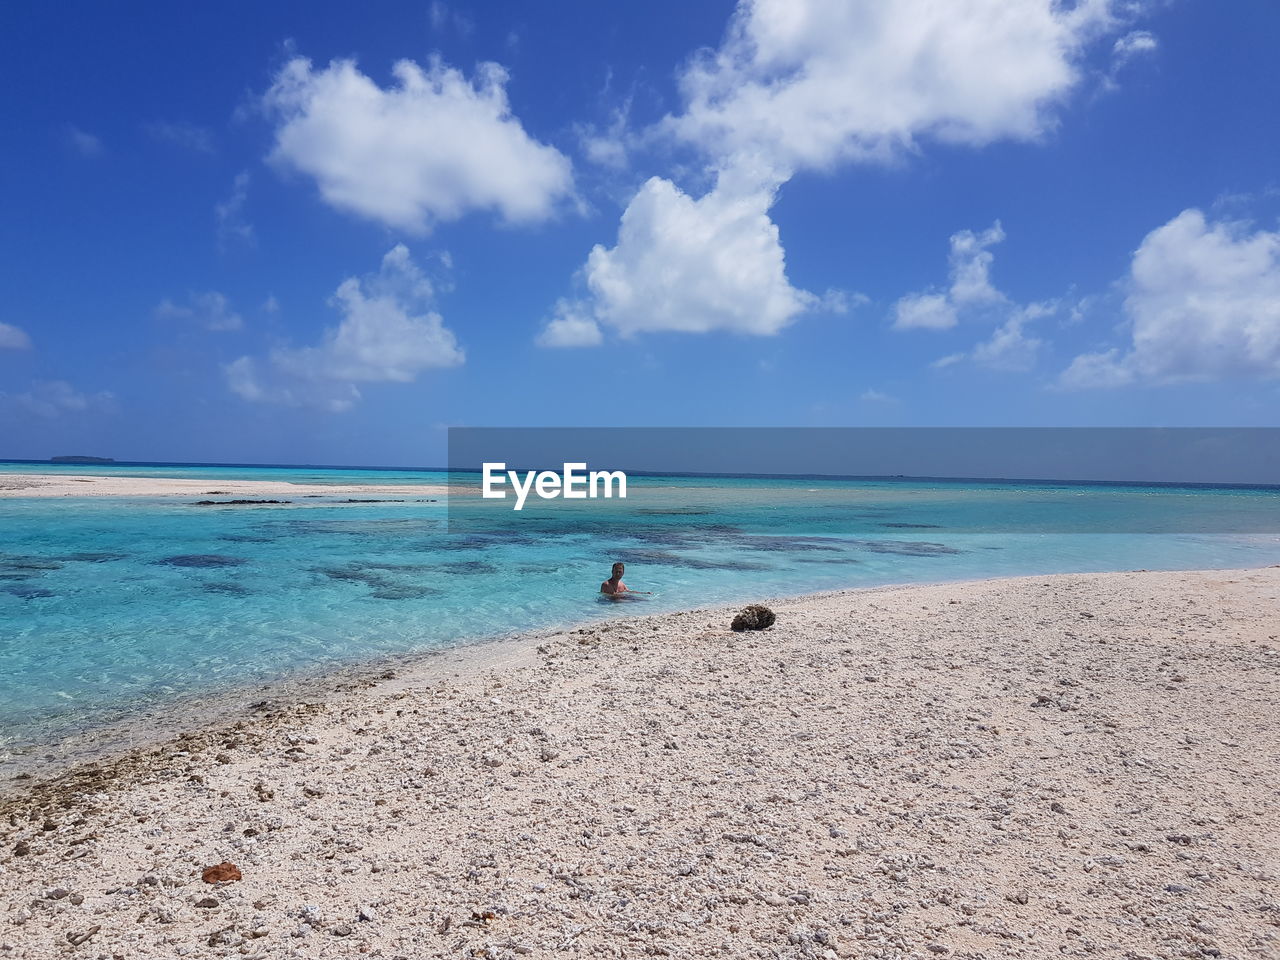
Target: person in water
614, 587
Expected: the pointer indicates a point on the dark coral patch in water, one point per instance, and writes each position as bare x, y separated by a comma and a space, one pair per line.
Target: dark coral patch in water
788, 544
381, 584
469, 567
908, 548
16, 563
352, 574
202, 560
912, 526
29, 593
668, 558
94, 557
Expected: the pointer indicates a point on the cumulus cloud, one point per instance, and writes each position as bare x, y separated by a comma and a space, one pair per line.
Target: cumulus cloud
605, 147
51, 398
1134, 44
925, 311
1107, 368
1203, 303
13, 338
808, 83
211, 310
387, 333
970, 264
693, 265
1010, 347
972, 296
571, 325
430, 148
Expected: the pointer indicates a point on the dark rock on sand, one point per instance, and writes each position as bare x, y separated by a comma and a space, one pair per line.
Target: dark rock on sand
754, 617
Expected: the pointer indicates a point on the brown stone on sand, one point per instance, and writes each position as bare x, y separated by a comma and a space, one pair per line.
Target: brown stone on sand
222, 872
753, 617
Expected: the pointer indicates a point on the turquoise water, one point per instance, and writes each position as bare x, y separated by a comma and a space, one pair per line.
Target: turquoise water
109, 606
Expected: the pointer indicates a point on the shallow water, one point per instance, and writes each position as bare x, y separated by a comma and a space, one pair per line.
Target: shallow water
107, 606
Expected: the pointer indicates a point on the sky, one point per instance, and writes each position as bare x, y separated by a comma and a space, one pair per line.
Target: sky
324, 232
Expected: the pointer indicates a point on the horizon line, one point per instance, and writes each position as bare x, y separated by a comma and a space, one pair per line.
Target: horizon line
1221, 484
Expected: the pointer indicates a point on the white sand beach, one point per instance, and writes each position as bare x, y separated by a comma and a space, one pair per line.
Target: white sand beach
1045, 766
66, 485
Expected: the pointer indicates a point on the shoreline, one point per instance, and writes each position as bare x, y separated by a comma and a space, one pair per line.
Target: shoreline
998, 766
196, 712
52, 485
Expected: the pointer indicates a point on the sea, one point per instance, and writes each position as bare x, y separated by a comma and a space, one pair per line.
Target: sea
119, 608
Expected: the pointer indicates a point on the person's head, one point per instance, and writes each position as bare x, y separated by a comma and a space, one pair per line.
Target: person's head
618, 570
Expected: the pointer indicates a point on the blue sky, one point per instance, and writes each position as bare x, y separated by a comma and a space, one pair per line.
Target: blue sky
239, 232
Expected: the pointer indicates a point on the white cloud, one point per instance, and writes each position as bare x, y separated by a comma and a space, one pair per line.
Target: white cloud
211, 310
689, 265
951, 359
1105, 369
387, 333
970, 264
571, 326
842, 301
1203, 304
51, 398
605, 148
430, 148
1133, 44
1010, 348
872, 395
182, 134
924, 311
807, 83
972, 295
229, 213
86, 144
608, 146
13, 338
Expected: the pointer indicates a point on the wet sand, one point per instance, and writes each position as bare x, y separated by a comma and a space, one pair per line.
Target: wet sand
1081, 764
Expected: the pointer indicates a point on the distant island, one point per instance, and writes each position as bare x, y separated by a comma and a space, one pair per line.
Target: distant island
81, 460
